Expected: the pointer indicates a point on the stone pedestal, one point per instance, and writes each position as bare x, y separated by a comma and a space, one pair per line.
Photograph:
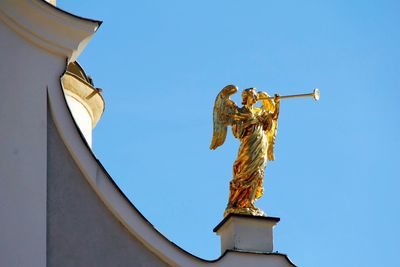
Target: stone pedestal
246, 233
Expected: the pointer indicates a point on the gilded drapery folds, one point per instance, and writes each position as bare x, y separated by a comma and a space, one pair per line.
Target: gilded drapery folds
256, 129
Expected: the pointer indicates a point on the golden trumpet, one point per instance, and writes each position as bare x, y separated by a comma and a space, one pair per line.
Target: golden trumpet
315, 94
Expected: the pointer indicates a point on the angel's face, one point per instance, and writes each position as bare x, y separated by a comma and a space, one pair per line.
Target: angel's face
249, 97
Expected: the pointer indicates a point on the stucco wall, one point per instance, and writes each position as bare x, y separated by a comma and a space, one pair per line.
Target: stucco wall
25, 72
80, 229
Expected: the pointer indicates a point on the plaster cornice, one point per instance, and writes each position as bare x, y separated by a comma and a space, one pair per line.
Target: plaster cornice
48, 27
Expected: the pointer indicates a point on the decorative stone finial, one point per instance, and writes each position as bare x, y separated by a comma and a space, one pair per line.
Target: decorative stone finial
84, 100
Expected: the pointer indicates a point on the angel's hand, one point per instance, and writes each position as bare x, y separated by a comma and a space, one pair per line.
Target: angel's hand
277, 98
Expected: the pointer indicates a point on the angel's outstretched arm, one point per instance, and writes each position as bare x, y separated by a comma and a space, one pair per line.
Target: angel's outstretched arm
277, 101
271, 134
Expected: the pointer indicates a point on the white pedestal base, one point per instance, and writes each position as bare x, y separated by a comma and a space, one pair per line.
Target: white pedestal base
246, 233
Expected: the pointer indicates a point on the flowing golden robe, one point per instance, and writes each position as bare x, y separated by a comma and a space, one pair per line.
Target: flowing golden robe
256, 130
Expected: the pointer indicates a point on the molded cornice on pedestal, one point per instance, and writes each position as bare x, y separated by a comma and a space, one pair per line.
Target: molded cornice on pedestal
48, 27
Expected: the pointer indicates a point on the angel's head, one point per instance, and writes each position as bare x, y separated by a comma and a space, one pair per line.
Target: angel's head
249, 96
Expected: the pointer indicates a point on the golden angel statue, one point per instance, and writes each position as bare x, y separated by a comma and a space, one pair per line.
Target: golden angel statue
256, 128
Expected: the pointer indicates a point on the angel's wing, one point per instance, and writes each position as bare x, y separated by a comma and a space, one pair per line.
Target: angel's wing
271, 134
268, 104
224, 109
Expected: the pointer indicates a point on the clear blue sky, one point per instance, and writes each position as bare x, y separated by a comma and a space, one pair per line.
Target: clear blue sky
335, 182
